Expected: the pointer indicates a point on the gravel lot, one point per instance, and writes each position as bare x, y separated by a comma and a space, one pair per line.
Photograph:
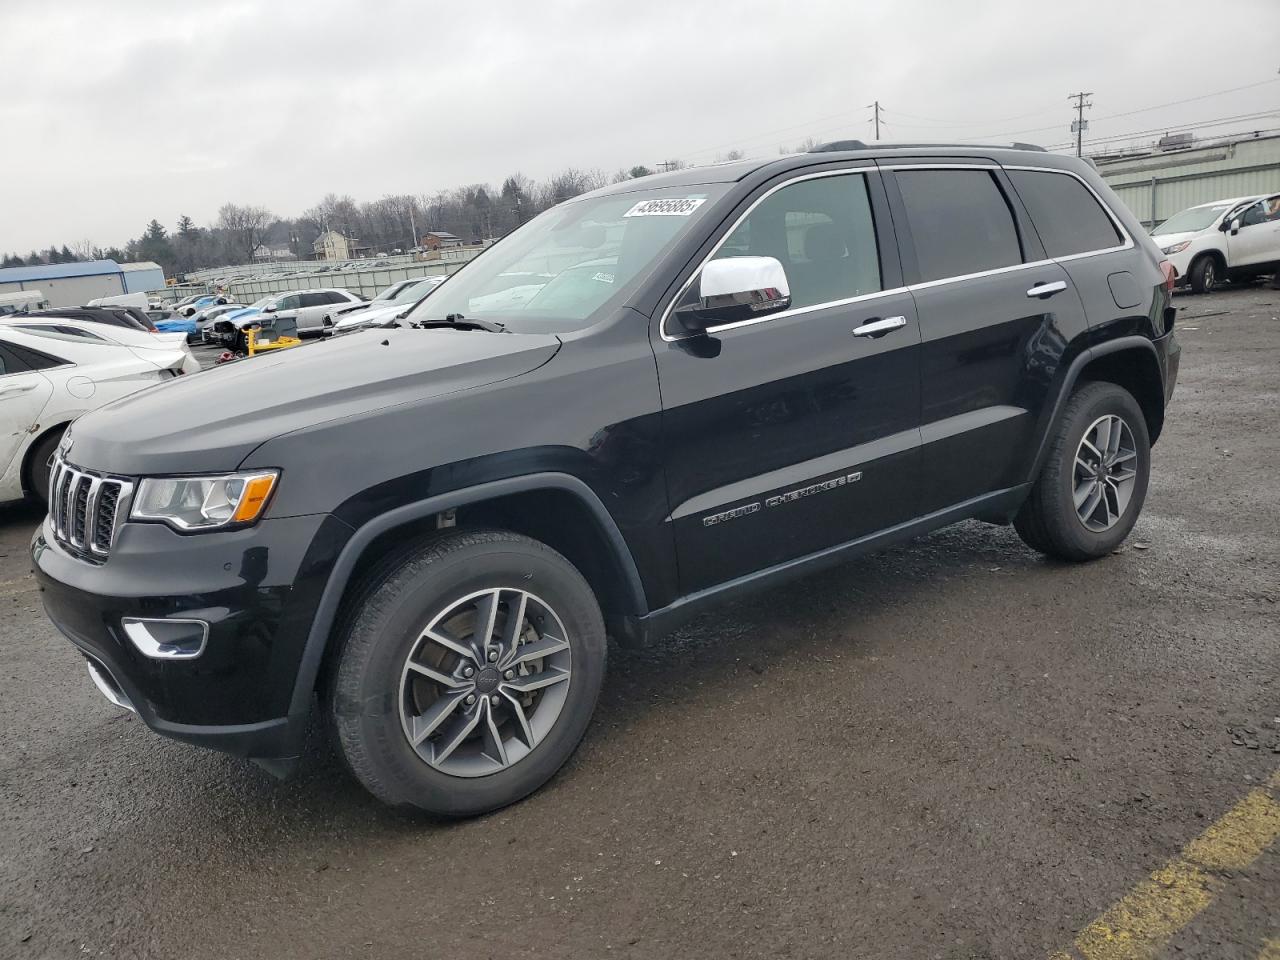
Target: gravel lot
955, 749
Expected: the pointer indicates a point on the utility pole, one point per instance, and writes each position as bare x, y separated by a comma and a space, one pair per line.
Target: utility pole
1080, 124
413, 225
875, 107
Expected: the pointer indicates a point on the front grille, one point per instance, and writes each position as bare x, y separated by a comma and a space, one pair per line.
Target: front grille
85, 509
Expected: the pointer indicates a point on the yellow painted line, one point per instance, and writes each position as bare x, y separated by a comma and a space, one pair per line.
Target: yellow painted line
1139, 925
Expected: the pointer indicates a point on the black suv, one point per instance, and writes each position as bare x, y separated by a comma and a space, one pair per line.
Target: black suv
647, 399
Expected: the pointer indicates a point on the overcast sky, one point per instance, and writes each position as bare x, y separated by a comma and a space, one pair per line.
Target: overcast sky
117, 111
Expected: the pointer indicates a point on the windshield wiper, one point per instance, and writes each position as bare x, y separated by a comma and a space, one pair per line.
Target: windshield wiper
457, 321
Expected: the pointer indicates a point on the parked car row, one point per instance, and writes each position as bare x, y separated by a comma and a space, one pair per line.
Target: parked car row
56, 365
323, 311
1236, 239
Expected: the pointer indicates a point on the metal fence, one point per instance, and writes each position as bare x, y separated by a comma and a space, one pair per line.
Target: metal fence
375, 277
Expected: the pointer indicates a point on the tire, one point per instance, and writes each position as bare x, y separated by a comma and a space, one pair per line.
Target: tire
1205, 275
38, 463
1050, 520
376, 701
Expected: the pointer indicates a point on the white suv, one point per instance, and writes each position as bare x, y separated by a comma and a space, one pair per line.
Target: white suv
308, 307
1235, 239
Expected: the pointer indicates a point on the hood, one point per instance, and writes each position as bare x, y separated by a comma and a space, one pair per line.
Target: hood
213, 420
356, 318
1169, 239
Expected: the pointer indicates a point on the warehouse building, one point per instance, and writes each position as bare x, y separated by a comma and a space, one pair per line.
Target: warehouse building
1178, 173
72, 284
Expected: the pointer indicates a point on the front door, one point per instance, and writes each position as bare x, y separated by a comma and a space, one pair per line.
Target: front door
795, 432
1258, 240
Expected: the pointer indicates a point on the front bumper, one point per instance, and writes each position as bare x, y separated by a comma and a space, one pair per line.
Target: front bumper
257, 589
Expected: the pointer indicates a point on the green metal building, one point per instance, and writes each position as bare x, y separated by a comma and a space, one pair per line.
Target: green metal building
1158, 183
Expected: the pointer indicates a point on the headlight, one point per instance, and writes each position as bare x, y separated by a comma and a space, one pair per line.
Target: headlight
1176, 247
204, 503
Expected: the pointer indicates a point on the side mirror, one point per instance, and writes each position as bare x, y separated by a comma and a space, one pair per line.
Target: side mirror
734, 289
1234, 226
272, 308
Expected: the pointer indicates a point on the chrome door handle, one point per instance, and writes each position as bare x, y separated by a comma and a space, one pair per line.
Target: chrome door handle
877, 328
1043, 290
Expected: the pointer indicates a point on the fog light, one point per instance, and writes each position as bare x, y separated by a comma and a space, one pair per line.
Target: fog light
167, 639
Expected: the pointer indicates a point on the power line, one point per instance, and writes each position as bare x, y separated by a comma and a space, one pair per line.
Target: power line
1175, 103
969, 123
1221, 121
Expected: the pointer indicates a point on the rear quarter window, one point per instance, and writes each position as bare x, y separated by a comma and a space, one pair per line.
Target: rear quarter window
1066, 214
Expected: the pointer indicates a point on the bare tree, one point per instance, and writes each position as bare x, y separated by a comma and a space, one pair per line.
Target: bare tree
244, 228
83, 249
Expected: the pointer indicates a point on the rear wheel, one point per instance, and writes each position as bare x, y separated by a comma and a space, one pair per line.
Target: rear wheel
1204, 275
1094, 482
40, 464
468, 673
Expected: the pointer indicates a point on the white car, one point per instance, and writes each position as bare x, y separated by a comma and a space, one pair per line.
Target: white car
56, 369
381, 311
308, 307
1237, 239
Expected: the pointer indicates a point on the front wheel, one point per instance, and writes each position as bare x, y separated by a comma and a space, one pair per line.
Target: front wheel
468, 672
1094, 482
1204, 275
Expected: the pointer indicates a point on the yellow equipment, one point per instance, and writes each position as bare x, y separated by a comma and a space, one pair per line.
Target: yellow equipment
264, 339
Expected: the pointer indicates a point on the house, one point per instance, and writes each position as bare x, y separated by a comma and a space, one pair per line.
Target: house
331, 245
437, 239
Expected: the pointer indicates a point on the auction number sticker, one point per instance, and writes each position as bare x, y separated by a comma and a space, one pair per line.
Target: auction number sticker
675, 207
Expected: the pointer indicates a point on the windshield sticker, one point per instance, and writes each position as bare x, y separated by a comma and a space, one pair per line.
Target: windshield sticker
603, 277
675, 207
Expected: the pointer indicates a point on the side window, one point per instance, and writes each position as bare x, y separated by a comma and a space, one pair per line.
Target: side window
1066, 214
1254, 215
822, 233
1272, 205
289, 303
313, 300
9, 363
960, 222
336, 296
36, 359
58, 330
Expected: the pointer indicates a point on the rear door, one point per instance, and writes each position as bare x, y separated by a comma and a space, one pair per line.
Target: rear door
994, 316
23, 395
791, 433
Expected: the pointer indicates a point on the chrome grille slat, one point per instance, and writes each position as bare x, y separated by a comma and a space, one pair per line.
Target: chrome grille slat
86, 509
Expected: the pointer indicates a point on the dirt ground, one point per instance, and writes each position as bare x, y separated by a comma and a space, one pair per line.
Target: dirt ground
954, 749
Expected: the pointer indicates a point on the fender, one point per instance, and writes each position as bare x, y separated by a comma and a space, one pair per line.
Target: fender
1073, 374
327, 610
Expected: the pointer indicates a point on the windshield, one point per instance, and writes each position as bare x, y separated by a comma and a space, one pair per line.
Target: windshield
390, 293
415, 291
1188, 221
556, 272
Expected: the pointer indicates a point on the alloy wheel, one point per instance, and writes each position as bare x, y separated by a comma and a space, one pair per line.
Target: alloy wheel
1210, 272
1105, 473
485, 682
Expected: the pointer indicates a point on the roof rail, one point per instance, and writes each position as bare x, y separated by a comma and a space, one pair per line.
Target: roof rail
838, 145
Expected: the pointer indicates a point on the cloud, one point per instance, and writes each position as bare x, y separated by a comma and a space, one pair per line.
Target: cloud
139, 109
